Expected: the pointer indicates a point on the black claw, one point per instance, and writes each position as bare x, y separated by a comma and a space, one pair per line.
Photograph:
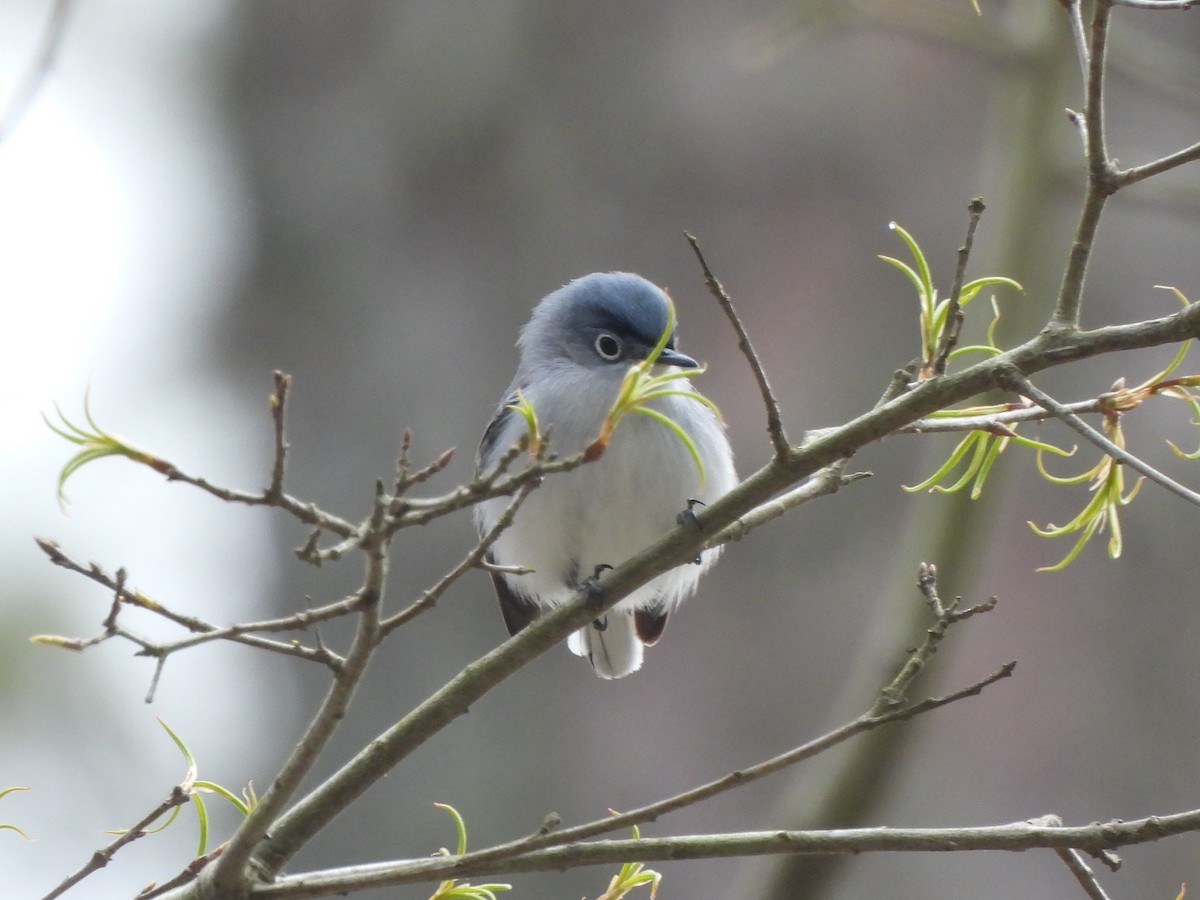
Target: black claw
591, 584
601, 624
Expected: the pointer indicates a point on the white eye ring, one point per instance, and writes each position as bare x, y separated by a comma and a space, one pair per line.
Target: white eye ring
607, 346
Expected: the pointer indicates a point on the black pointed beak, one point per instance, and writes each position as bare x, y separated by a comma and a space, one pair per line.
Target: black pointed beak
671, 357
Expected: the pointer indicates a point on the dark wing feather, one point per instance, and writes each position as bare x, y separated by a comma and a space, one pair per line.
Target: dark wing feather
517, 611
650, 624
488, 444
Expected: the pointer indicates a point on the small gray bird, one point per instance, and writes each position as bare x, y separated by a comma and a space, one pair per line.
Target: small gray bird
575, 350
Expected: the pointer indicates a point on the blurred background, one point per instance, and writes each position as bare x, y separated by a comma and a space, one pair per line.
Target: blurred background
371, 196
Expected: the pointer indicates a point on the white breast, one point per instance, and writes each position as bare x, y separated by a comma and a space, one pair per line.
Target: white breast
606, 511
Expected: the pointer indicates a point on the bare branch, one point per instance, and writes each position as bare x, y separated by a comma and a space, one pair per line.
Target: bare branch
406, 479
471, 561
203, 631
451, 701
278, 401
1083, 872
954, 315
1014, 837
500, 857
104, 855
1079, 38
1126, 177
774, 420
1154, 4
1011, 379
996, 422
186, 876
1100, 173
229, 871
825, 482
497, 483
1093, 111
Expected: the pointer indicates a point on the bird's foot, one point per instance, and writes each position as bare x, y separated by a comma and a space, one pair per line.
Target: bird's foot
591, 586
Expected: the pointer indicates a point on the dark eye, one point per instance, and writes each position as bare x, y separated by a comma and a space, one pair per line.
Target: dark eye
608, 346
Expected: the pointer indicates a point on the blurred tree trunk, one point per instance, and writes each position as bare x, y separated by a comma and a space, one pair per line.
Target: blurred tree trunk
847, 787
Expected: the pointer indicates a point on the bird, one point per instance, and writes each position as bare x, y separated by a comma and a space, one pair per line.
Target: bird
576, 348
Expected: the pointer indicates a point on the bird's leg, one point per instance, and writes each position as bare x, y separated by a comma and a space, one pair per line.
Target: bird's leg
591, 585
688, 516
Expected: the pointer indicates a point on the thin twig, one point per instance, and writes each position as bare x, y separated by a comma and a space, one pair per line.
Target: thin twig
1009, 378
296, 622
945, 615
406, 480
496, 483
1125, 177
203, 631
101, 858
954, 315
1079, 37
1154, 4
825, 482
1100, 183
308, 513
774, 420
998, 422
471, 561
186, 876
278, 401
1082, 871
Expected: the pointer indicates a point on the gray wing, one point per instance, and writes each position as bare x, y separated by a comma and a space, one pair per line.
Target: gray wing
517, 611
489, 443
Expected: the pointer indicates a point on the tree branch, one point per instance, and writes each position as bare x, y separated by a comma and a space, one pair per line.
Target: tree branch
203, 631
1012, 380
1014, 837
1083, 873
680, 546
774, 419
954, 315
230, 872
1125, 177
102, 857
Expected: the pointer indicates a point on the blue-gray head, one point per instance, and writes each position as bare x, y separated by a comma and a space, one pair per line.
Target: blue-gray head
607, 319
